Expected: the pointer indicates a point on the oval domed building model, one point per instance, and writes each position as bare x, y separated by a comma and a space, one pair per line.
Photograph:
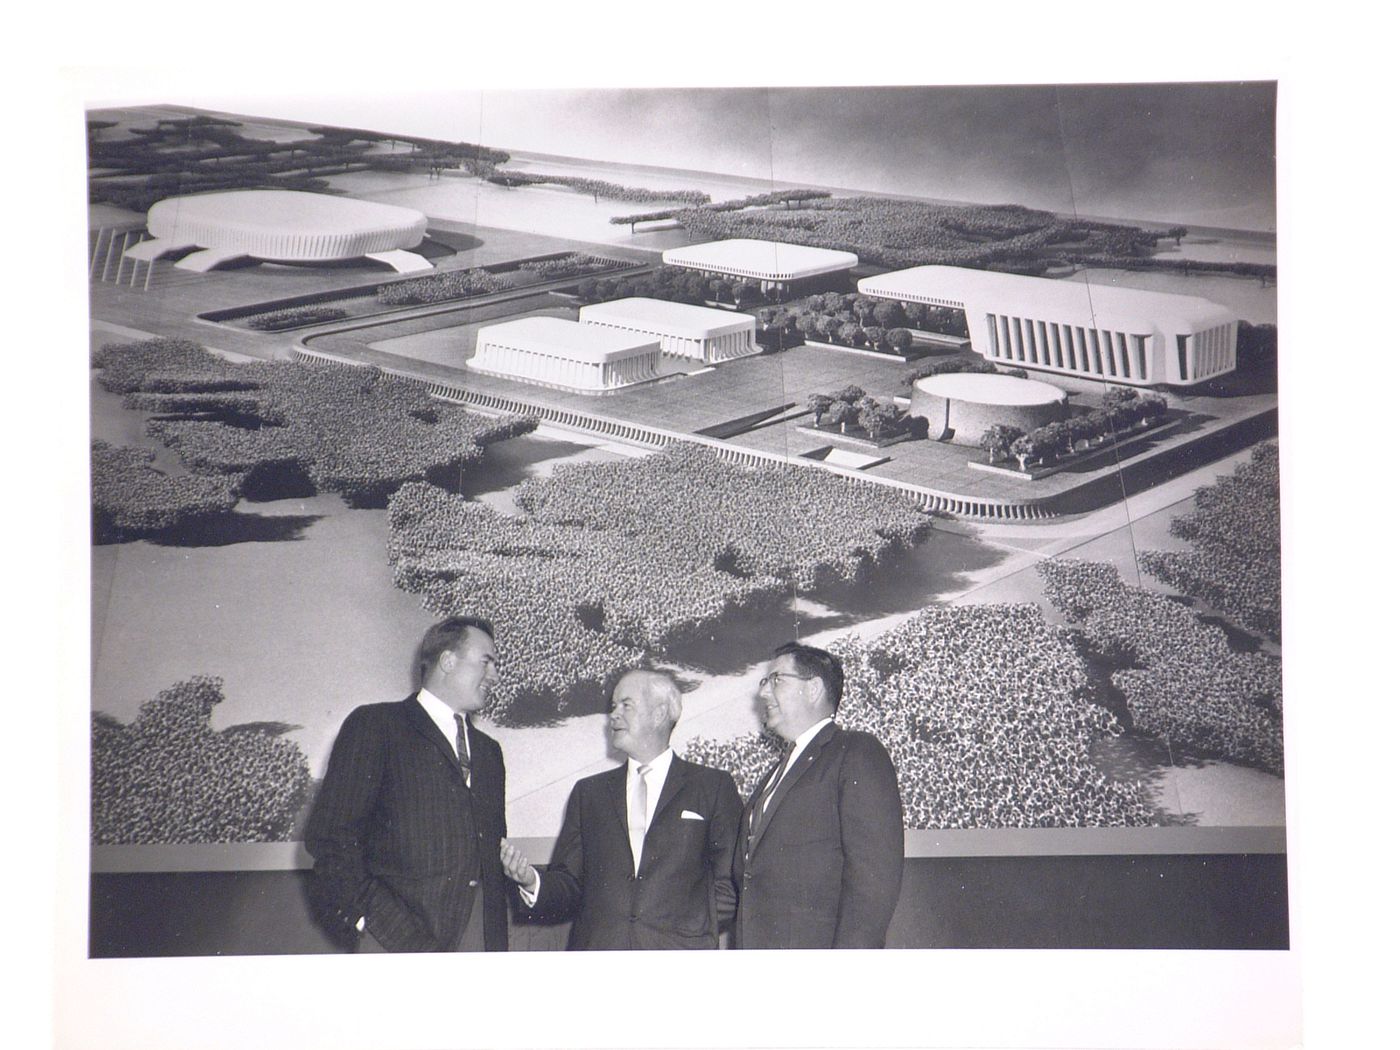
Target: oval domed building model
281, 226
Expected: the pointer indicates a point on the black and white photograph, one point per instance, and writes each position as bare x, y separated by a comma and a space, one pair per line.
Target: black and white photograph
845, 518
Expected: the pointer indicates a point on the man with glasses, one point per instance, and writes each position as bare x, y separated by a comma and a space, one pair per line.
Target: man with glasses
408, 822
821, 842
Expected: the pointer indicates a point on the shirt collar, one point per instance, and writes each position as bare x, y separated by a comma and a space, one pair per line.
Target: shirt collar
800, 744
443, 716
660, 764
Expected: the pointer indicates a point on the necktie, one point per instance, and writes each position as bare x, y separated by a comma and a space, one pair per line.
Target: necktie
637, 816
464, 757
766, 797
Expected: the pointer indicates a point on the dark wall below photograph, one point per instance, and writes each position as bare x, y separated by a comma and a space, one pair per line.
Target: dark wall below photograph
1203, 901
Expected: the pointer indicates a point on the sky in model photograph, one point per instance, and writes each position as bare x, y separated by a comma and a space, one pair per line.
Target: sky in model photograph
1200, 154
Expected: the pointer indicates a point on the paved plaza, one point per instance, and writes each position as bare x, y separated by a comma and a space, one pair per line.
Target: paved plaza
699, 400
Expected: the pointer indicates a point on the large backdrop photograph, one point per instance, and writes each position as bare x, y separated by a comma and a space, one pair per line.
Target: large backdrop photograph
974, 386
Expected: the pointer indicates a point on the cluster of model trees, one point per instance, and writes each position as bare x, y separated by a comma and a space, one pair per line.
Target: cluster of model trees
608, 561
1256, 348
357, 432
168, 776
849, 319
672, 283
852, 404
600, 189
891, 232
1234, 564
787, 198
569, 264
450, 285
462, 151
898, 233
200, 154
294, 317
865, 312
986, 712
131, 499
441, 287
1122, 409
1178, 676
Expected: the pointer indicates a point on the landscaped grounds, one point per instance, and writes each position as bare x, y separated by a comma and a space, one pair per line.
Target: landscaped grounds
997, 715
277, 425
609, 562
986, 712
170, 777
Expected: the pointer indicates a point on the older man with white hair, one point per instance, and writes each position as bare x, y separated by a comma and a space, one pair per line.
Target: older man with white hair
645, 856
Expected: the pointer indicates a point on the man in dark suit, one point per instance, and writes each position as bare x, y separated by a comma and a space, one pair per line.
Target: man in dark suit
646, 851
821, 849
407, 823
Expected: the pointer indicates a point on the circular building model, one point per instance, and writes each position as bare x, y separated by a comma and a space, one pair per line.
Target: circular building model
281, 226
961, 406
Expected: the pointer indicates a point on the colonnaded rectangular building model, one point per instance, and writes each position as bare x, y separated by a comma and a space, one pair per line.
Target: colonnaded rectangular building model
560, 353
694, 332
1072, 328
773, 264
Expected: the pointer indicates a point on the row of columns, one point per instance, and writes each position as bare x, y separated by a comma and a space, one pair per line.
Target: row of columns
710, 349
533, 366
729, 346
1069, 348
109, 255
1212, 353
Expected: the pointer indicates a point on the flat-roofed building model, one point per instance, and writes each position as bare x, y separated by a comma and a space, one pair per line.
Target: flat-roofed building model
281, 226
961, 406
1098, 331
694, 332
773, 264
560, 353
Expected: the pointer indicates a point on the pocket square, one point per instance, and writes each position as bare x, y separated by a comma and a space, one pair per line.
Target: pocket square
690, 814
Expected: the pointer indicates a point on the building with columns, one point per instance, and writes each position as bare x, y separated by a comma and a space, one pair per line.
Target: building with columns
1068, 327
281, 226
788, 268
555, 352
697, 333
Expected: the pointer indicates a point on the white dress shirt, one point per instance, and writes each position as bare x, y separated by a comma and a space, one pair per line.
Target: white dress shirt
660, 766
656, 776
444, 718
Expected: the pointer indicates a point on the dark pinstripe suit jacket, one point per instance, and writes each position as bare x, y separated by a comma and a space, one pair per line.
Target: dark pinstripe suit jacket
399, 839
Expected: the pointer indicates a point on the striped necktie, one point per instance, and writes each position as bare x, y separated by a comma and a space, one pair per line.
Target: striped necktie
464, 756
773, 781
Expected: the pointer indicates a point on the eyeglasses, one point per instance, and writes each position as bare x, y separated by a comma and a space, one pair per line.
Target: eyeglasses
771, 678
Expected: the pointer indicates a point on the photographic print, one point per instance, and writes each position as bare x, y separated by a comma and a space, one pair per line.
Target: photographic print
973, 387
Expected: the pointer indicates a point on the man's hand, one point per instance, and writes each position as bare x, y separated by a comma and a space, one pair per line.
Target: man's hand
518, 868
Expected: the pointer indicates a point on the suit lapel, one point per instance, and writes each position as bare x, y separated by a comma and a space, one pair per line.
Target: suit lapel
419, 720
675, 779
798, 770
617, 792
